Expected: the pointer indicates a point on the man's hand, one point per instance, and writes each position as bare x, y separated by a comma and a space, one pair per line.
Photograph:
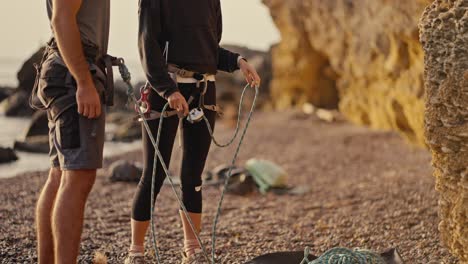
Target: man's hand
178, 102
87, 98
67, 35
250, 74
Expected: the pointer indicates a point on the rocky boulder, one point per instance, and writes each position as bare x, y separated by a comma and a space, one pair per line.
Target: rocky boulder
444, 35
36, 135
5, 92
124, 171
7, 155
38, 125
363, 57
120, 94
27, 73
17, 104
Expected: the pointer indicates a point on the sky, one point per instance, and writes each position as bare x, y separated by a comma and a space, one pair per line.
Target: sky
24, 27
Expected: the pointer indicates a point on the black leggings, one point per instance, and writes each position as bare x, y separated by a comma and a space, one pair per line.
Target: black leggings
196, 142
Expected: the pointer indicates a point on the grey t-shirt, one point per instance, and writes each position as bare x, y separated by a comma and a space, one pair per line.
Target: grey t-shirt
93, 19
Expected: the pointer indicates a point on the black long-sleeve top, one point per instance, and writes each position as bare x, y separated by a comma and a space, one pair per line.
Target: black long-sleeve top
193, 30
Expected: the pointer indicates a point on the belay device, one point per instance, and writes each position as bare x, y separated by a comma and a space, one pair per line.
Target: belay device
195, 115
143, 105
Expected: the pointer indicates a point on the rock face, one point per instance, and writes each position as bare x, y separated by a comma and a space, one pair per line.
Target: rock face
444, 34
362, 56
17, 104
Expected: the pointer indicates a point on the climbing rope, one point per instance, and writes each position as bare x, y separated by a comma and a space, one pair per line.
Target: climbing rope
344, 256
126, 77
226, 180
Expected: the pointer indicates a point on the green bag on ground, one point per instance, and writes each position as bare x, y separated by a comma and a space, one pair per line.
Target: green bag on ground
266, 174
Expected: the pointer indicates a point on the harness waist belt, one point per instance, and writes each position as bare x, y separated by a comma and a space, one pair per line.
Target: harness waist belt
108, 62
104, 62
188, 75
180, 79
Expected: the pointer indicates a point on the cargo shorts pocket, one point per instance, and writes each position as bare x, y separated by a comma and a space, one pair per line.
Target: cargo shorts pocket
53, 81
68, 124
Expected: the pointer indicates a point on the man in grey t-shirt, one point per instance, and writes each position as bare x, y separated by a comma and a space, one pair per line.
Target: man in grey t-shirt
71, 86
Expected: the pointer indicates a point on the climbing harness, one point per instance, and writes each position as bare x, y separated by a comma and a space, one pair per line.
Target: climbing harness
100, 67
195, 117
344, 256
180, 76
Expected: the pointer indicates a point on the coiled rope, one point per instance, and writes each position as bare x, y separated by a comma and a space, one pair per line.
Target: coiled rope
126, 77
344, 256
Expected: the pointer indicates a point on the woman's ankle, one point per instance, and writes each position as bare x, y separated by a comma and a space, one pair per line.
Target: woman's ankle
137, 249
191, 246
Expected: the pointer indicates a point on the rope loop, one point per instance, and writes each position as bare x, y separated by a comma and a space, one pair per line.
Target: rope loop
348, 256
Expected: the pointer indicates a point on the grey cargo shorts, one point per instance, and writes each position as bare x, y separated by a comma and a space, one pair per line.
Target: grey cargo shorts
76, 142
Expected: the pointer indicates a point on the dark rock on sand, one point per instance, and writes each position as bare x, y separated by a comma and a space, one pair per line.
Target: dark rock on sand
27, 73
38, 125
5, 92
16, 105
36, 138
126, 128
240, 182
7, 155
119, 117
33, 144
124, 171
120, 95
127, 131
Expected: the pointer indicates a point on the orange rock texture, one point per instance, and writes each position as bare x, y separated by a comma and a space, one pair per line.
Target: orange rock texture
444, 35
363, 57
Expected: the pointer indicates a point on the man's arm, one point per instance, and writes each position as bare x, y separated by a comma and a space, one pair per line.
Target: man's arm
67, 35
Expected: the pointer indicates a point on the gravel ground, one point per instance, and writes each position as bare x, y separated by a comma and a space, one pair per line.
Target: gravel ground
367, 189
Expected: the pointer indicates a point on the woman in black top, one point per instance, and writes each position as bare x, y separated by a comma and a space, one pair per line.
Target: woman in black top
193, 31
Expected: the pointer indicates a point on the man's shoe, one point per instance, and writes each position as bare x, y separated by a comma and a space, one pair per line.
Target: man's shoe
135, 259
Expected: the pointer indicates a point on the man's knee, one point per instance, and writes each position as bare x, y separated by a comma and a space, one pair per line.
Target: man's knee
79, 181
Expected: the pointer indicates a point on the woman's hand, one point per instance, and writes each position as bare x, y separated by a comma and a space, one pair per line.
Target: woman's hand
250, 74
178, 103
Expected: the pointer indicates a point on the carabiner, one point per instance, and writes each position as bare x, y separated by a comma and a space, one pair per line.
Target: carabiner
143, 106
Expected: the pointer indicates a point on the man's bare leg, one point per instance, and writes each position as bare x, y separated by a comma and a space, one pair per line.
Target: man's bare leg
45, 204
67, 220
